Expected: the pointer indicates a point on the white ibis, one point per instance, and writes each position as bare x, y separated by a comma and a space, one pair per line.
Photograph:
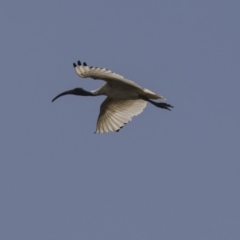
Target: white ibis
125, 99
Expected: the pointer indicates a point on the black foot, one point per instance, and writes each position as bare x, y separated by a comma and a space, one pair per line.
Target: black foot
164, 105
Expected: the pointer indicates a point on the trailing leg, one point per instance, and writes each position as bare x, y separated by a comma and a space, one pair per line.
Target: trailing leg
158, 104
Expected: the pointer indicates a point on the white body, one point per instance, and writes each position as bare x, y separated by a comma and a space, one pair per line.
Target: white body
123, 97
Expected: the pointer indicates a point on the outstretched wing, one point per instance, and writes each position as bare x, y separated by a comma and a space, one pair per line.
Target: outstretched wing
114, 114
101, 73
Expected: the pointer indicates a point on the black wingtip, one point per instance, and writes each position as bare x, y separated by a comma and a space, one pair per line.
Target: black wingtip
74, 65
79, 63
120, 128
84, 64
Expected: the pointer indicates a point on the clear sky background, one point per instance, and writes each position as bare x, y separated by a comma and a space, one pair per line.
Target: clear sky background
166, 175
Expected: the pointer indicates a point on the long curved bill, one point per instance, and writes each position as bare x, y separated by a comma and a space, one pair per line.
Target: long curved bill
63, 94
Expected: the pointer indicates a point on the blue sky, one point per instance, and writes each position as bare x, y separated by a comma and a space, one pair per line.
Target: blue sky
166, 175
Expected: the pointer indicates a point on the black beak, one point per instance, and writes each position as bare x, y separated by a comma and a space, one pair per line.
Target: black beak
75, 91
64, 93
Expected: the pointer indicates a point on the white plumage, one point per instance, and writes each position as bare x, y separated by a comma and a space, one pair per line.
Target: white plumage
125, 99
114, 113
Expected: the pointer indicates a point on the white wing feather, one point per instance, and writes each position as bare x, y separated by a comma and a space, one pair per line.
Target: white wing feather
114, 114
102, 73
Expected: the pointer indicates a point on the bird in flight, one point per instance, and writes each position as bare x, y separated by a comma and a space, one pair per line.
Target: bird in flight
125, 99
